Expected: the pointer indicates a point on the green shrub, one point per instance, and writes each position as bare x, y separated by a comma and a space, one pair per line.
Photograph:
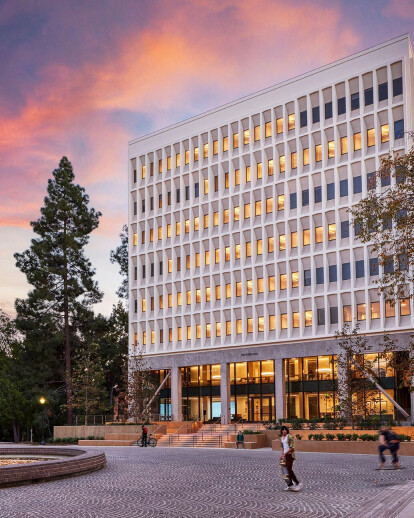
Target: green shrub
368, 437
313, 424
330, 437
90, 437
404, 437
251, 432
298, 437
296, 424
341, 436
318, 436
354, 437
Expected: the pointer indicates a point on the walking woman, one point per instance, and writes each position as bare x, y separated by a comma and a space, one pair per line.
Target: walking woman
288, 455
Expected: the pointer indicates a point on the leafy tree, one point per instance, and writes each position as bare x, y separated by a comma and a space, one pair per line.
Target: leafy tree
386, 219
120, 256
57, 268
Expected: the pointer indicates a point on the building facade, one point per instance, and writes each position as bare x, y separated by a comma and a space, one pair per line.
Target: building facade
243, 263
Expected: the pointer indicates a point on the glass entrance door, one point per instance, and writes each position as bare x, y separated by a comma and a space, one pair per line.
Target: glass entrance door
260, 409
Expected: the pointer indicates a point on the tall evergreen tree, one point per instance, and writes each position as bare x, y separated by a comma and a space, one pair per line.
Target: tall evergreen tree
120, 256
56, 266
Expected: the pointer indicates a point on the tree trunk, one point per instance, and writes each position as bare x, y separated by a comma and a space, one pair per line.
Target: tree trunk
68, 364
16, 431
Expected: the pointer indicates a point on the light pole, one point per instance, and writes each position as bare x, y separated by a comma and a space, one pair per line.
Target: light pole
42, 401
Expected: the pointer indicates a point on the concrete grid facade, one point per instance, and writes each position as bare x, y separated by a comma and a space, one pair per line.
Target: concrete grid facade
240, 247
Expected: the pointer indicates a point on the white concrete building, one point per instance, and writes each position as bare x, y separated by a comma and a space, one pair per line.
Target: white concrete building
242, 263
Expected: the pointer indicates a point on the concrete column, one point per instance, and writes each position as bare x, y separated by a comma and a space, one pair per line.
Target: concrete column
176, 395
225, 393
280, 389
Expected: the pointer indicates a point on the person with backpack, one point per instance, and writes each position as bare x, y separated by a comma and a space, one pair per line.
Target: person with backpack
240, 439
288, 456
389, 440
144, 435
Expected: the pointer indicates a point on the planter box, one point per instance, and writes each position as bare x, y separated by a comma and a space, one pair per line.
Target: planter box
251, 441
368, 447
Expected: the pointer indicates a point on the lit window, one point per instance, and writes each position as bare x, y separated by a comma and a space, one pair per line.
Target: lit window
207, 257
135, 239
198, 331
151, 235
216, 184
318, 152
225, 143
144, 338
205, 186
196, 154
249, 287
361, 312
344, 145
228, 291
282, 163
153, 337
256, 133
208, 294
279, 125
226, 216
218, 292
268, 129
246, 136
215, 219
177, 160
371, 137
238, 289
375, 310
296, 319
347, 310
239, 326
177, 228
237, 254
357, 141
404, 307
291, 121
308, 318
294, 160
260, 324
196, 223
208, 330
318, 234
159, 233
248, 174
247, 210
170, 300
197, 260
281, 202
270, 244
143, 171
306, 156
258, 208
283, 281
306, 237
282, 242
250, 325
227, 253
170, 335
198, 296
295, 279
144, 304
272, 322
235, 140
248, 249
385, 133
332, 232
161, 302
168, 163
237, 177
283, 321
217, 255
160, 166
259, 247
169, 230
259, 170
205, 148
188, 297
228, 328
179, 298
270, 169
294, 239
269, 205
187, 226
188, 262
272, 283
187, 157
260, 285
218, 328
215, 147
331, 149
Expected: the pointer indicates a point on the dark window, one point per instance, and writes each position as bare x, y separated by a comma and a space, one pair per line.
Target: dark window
399, 175
135, 306
152, 168
402, 262
316, 117
160, 201
293, 201
319, 275
321, 317
161, 265
397, 87
355, 101
318, 194
333, 276
371, 181
135, 273
152, 203
135, 176
187, 192
303, 119
401, 216
328, 110
385, 180
196, 190
135, 208
387, 224
305, 197
143, 271
357, 229
399, 129
389, 265
369, 96
143, 206
178, 197
344, 229
343, 188
307, 277
383, 91
341, 105
373, 266
330, 191
346, 271
333, 314
152, 269
359, 269
357, 181
216, 184
169, 197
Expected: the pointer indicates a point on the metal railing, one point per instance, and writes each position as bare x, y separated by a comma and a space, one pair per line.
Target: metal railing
194, 441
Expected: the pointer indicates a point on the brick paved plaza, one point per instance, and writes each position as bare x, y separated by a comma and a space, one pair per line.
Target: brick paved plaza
185, 483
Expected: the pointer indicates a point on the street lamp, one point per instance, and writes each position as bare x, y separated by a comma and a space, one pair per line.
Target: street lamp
42, 401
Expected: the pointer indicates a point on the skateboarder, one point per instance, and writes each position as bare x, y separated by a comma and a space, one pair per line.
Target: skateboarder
288, 456
389, 440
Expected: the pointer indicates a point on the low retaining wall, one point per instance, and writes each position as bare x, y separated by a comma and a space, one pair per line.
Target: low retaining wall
76, 462
406, 448
61, 432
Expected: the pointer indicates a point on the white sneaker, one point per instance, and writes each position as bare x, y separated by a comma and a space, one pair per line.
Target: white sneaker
297, 487
288, 488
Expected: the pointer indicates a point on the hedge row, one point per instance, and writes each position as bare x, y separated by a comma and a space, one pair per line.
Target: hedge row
347, 437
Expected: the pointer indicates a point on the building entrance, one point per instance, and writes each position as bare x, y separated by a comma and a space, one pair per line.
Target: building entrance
260, 409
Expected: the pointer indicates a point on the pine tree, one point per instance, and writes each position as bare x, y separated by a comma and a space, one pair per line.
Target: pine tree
56, 266
120, 256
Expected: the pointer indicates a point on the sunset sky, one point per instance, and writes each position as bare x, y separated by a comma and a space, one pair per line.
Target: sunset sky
82, 78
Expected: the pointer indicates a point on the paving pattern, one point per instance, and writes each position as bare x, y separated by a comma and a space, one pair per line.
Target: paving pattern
193, 483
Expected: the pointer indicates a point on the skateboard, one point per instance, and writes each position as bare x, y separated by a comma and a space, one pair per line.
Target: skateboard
285, 473
389, 468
